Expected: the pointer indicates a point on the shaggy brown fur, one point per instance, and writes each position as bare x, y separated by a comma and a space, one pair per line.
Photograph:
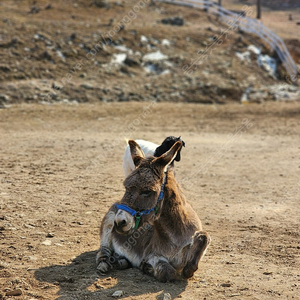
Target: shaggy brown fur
166, 243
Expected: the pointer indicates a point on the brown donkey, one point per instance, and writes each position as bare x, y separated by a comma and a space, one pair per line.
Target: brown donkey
153, 227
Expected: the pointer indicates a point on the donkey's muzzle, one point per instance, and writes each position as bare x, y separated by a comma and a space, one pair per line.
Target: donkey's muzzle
121, 227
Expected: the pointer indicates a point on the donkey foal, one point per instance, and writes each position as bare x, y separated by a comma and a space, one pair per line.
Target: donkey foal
153, 227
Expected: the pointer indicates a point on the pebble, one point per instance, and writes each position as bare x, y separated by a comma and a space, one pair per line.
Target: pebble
16, 292
47, 243
50, 235
167, 296
87, 86
117, 294
226, 284
4, 97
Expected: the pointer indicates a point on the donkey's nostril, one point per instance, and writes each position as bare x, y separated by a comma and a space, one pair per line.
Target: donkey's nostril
121, 223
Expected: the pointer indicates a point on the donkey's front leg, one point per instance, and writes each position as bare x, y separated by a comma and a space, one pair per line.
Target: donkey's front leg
105, 251
160, 268
194, 252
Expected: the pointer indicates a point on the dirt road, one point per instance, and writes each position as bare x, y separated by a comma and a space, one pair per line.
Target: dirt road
61, 169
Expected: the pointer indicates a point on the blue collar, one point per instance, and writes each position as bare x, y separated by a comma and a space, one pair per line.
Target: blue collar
139, 214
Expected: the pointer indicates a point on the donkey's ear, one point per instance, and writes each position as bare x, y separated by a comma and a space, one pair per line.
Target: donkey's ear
166, 159
136, 151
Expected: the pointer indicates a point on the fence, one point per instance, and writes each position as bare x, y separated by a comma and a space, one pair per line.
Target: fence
246, 24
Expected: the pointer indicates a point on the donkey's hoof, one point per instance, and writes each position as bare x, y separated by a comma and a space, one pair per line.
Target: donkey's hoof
165, 272
123, 264
103, 267
188, 271
147, 268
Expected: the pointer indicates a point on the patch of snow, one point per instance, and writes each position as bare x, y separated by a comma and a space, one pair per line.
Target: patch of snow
166, 43
254, 49
123, 49
245, 56
144, 39
268, 63
118, 58
154, 56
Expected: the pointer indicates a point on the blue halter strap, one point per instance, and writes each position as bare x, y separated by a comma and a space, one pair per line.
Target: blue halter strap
139, 214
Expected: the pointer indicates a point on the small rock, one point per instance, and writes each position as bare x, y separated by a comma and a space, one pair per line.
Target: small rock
167, 296
58, 244
131, 62
50, 235
4, 97
33, 258
16, 292
47, 243
29, 226
226, 285
267, 273
176, 21
34, 9
117, 294
87, 86
5, 68
46, 55
101, 3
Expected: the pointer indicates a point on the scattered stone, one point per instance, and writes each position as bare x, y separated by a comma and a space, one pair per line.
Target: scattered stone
33, 258
101, 3
29, 226
4, 98
46, 55
167, 296
16, 292
176, 21
117, 294
87, 86
226, 285
47, 243
58, 244
50, 235
5, 68
34, 10
131, 61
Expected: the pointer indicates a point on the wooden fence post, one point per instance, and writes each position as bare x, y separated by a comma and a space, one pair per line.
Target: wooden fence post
258, 16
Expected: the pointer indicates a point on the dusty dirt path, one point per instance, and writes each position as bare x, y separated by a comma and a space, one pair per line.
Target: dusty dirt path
61, 169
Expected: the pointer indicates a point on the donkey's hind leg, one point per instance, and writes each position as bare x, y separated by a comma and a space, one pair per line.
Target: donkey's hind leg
196, 251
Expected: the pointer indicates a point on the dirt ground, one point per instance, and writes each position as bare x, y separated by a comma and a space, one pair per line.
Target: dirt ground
61, 169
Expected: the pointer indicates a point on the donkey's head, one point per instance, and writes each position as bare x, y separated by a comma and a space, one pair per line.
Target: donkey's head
143, 197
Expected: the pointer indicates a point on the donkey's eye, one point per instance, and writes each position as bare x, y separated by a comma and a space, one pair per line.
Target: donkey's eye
146, 193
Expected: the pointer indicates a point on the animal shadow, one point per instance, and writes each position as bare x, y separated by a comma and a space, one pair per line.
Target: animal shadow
80, 280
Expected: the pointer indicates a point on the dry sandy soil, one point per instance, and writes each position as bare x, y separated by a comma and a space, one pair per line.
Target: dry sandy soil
61, 169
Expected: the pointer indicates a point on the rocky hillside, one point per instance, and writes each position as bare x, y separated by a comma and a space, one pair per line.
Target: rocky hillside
89, 51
